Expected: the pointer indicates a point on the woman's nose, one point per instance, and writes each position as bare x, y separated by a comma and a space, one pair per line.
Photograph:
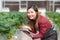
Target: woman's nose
30, 14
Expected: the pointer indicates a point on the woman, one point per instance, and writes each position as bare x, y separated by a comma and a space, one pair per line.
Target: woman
39, 23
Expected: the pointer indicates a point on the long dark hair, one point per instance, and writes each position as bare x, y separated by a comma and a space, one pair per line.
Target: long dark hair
31, 23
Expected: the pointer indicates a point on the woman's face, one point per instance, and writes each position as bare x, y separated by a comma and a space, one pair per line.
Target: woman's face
31, 14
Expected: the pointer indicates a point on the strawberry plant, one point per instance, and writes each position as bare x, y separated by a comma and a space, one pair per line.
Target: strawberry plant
55, 17
10, 21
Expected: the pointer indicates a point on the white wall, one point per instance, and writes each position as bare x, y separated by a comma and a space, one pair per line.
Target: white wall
57, 0
25, 0
31, 0
11, 0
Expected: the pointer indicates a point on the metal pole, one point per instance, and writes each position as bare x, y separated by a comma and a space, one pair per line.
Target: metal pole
50, 5
26, 4
4, 3
0, 5
19, 5
53, 5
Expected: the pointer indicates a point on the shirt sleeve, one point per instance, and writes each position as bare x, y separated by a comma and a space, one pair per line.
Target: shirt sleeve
43, 24
32, 31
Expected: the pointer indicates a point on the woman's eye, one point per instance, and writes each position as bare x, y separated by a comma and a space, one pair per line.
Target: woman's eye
31, 12
27, 12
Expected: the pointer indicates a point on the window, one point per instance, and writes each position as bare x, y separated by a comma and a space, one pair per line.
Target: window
13, 6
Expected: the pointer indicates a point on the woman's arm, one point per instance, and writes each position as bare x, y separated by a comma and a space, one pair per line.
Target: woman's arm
43, 26
42, 31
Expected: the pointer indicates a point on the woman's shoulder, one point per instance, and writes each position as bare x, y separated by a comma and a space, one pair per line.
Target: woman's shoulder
43, 19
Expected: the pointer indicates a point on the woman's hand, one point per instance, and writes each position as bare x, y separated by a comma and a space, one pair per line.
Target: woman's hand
25, 27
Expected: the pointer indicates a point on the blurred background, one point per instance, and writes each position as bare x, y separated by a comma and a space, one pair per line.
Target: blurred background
20, 5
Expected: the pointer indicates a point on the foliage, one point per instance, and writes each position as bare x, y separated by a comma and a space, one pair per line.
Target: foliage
55, 17
10, 21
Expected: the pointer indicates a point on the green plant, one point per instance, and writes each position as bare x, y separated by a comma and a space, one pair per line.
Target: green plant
55, 17
10, 21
